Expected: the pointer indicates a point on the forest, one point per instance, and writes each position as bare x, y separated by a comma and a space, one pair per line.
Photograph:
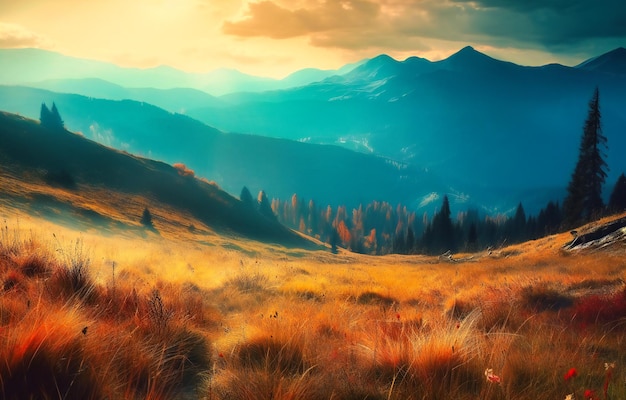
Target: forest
383, 228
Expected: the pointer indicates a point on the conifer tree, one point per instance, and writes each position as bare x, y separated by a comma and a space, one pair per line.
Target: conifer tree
146, 219
440, 235
517, 226
44, 115
584, 192
264, 206
410, 240
50, 118
56, 120
617, 201
246, 197
472, 237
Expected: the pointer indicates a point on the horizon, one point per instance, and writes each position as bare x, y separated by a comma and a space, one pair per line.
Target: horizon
573, 64
199, 36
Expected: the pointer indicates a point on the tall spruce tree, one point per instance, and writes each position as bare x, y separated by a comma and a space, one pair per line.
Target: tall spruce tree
584, 192
617, 201
440, 235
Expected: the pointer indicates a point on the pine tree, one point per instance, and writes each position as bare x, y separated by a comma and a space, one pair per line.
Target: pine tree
584, 192
44, 115
617, 201
440, 235
410, 240
50, 118
518, 225
472, 237
146, 219
246, 197
56, 120
264, 206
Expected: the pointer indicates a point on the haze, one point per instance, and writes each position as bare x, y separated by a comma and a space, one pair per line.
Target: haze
276, 37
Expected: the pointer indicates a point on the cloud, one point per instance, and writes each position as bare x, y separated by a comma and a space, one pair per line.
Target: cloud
551, 23
408, 24
15, 36
266, 18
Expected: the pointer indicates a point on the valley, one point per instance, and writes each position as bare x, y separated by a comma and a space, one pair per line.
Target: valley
129, 269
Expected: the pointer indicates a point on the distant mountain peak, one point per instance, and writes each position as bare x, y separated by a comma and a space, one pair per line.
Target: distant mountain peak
612, 62
379, 67
468, 49
468, 53
468, 58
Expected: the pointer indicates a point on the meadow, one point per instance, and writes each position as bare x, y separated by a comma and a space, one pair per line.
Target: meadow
186, 313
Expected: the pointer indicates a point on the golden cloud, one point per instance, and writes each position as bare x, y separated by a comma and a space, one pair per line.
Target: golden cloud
15, 36
266, 18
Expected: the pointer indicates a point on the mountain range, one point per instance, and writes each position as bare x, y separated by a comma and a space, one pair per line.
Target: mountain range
471, 118
490, 132
24, 66
330, 175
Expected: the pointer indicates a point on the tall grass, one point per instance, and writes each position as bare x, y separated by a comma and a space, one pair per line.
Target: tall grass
65, 336
167, 320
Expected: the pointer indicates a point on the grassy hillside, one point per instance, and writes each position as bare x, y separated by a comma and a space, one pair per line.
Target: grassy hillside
94, 306
130, 317
58, 170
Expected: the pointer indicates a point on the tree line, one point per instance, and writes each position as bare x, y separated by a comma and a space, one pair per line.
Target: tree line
381, 228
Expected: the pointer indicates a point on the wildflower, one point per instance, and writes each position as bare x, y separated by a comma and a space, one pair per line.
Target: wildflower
221, 355
491, 377
589, 394
608, 367
572, 373
398, 316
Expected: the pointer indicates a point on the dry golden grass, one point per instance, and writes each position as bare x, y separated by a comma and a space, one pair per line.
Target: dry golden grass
196, 315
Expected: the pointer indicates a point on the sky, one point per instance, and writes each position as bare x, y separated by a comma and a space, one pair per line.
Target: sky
276, 37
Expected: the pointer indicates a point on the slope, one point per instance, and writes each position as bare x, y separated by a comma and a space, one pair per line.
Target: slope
327, 174
83, 176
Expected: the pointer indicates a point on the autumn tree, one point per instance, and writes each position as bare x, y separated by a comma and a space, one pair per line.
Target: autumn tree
584, 192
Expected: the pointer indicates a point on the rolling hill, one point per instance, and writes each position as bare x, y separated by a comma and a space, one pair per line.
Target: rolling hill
57, 172
328, 174
484, 129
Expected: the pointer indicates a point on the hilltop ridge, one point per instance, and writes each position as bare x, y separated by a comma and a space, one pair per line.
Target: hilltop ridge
60, 170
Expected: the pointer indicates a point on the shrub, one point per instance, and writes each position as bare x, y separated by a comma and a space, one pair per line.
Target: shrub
601, 309
373, 298
542, 297
268, 353
183, 170
34, 265
60, 178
